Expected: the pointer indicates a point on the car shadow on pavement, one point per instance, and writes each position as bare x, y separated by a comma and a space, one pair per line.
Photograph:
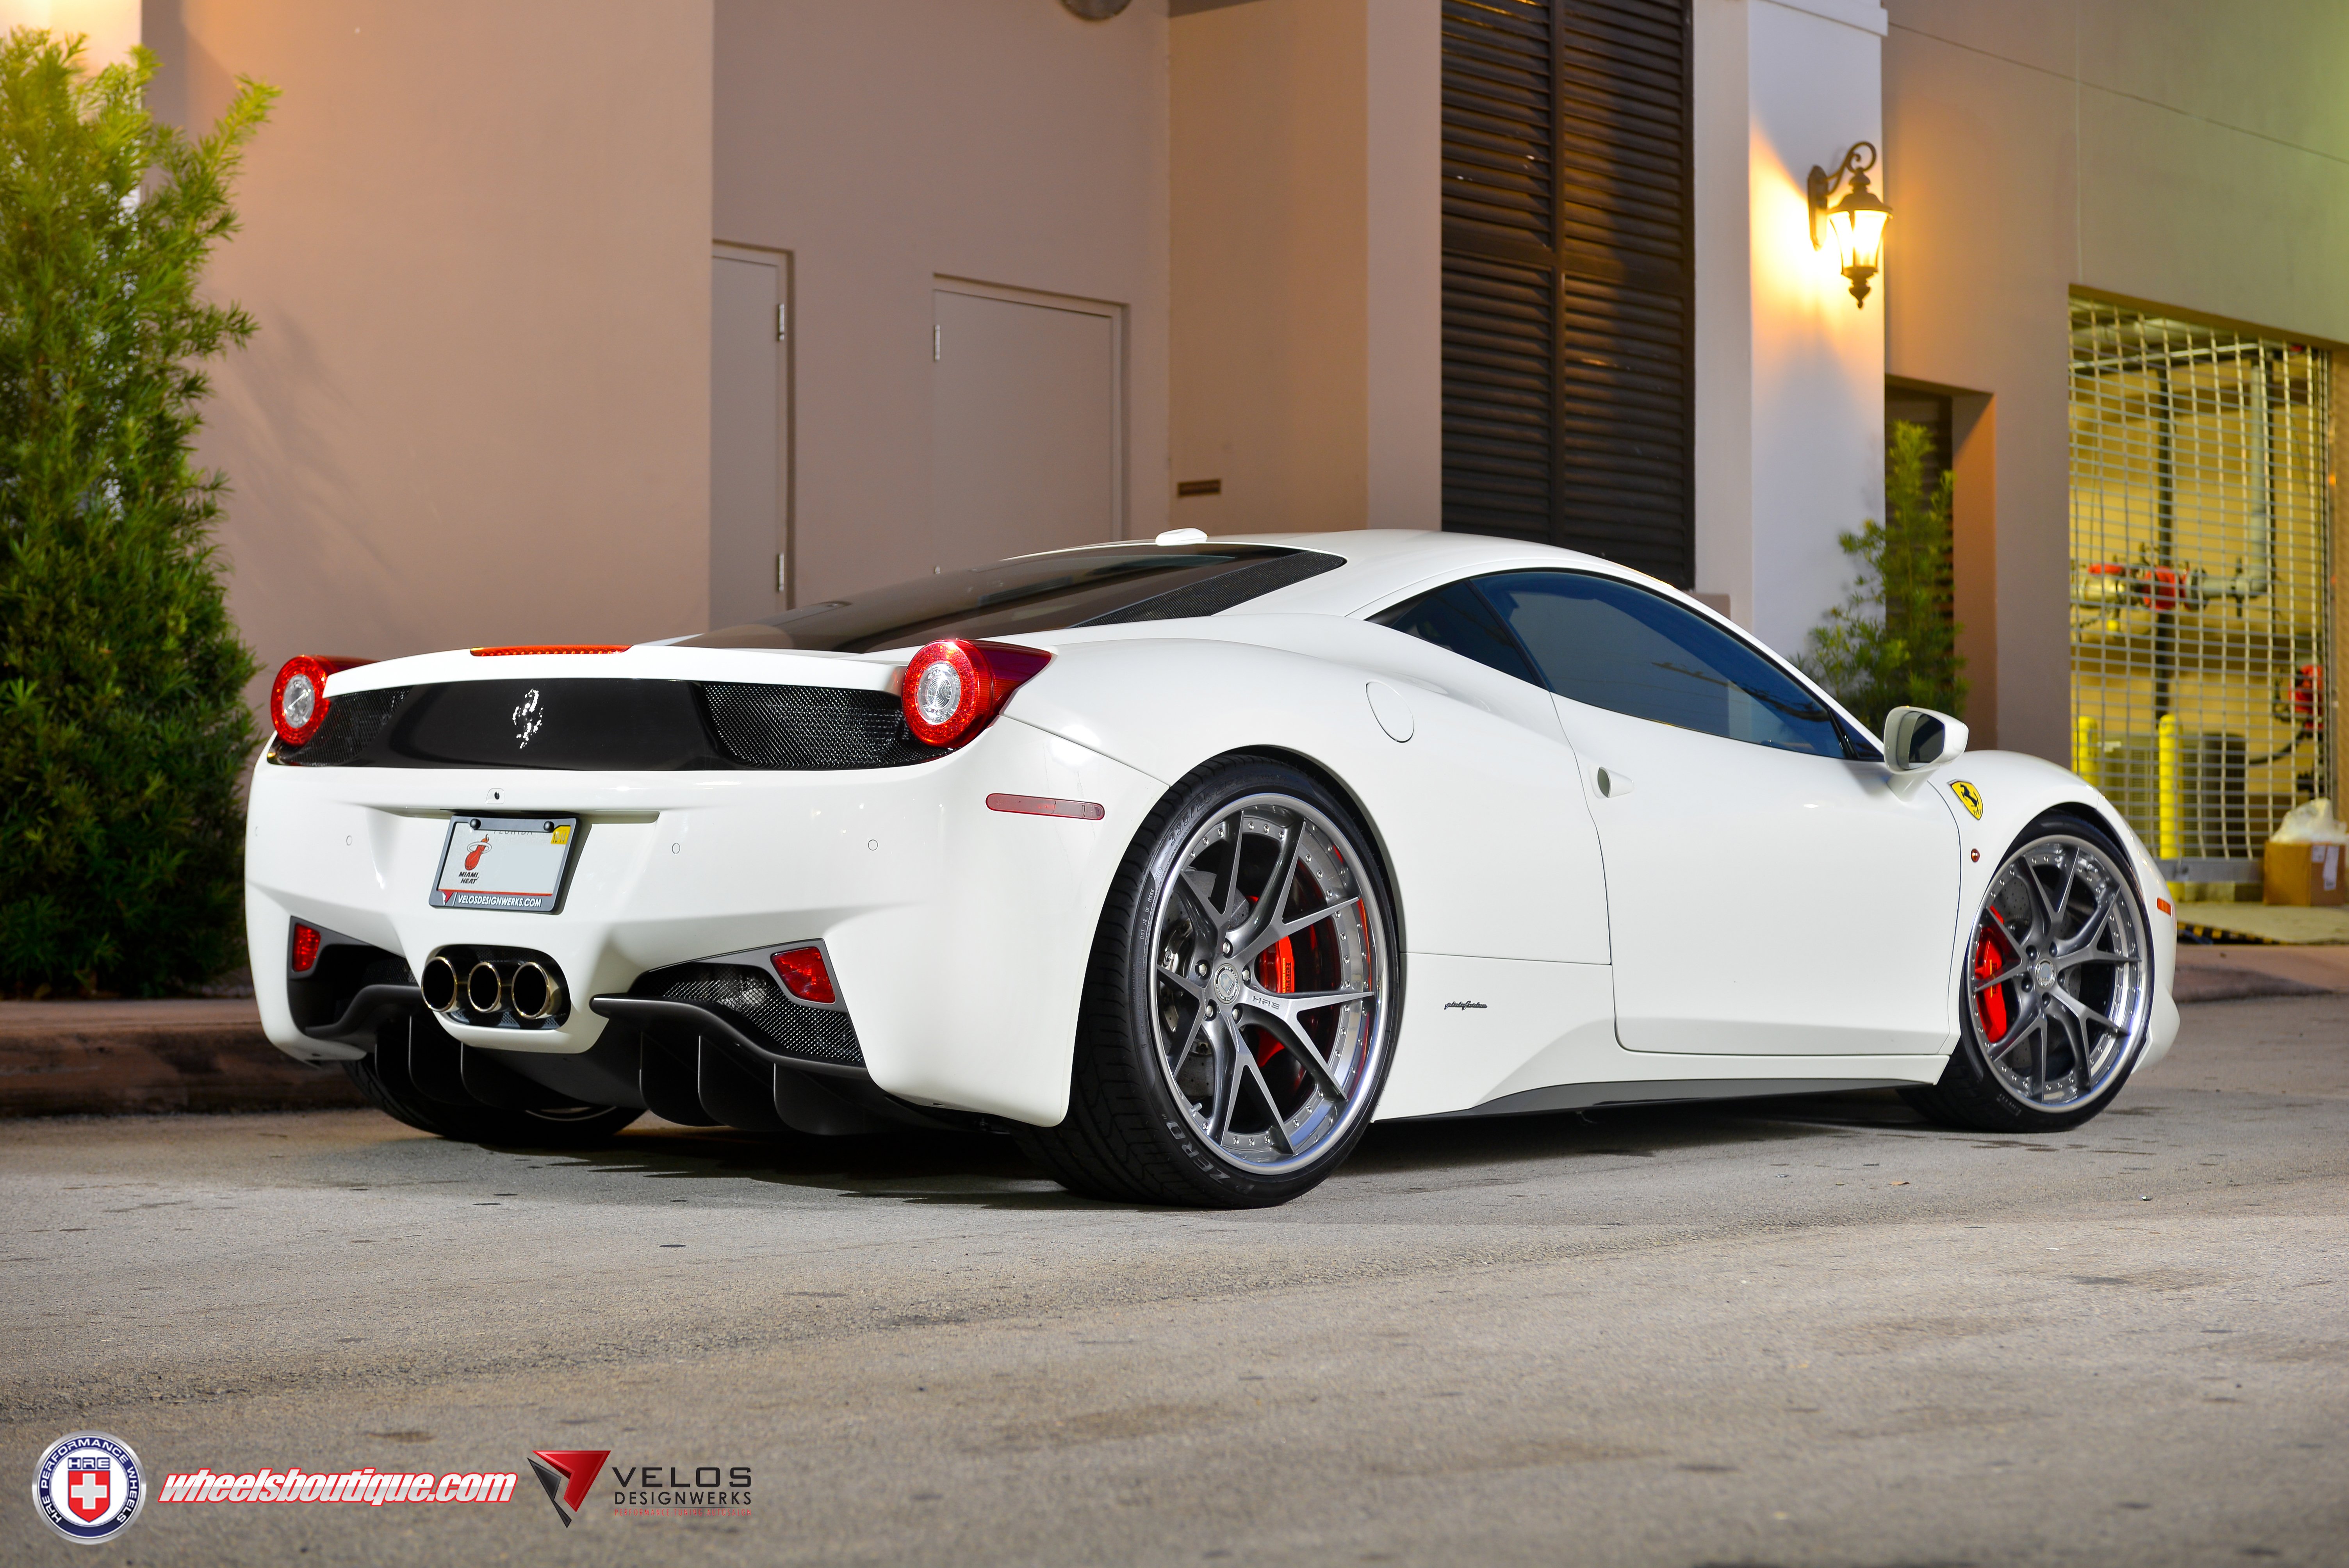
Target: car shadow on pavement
1637, 1131
988, 1171
912, 1166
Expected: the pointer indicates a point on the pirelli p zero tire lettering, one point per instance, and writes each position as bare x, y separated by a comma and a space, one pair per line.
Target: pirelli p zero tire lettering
2058, 990
1242, 999
383, 1079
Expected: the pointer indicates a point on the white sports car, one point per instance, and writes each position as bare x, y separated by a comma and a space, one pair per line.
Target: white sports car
1182, 861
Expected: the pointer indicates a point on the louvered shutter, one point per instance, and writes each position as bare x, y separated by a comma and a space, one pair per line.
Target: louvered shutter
1567, 289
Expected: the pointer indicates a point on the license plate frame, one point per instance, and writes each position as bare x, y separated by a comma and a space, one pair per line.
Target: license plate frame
538, 845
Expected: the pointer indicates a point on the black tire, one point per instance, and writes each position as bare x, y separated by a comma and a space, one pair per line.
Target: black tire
1128, 1137
387, 1088
1971, 1095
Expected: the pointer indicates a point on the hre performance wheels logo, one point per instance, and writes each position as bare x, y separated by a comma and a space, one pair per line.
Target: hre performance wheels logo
88, 1487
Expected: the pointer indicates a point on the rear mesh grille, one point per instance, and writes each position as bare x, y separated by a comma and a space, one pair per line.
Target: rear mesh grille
353, 726
749, 999
811, 727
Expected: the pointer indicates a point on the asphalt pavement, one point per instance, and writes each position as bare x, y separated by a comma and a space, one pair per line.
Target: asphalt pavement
1799, 1331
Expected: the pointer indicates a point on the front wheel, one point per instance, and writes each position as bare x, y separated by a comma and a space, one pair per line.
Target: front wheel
1241, 1009
2058, 992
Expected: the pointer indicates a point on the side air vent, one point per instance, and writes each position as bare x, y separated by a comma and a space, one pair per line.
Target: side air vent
812, 728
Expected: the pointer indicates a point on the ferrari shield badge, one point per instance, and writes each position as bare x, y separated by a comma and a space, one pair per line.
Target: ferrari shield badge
1970, 796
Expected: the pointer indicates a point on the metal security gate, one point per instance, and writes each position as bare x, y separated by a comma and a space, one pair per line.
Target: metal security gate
1566, 284
2201, 615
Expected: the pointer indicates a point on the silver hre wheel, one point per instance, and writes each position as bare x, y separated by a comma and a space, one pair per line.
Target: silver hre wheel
1241, 1007
2058, 991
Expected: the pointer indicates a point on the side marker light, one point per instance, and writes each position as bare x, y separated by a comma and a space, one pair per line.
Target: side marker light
1045, 806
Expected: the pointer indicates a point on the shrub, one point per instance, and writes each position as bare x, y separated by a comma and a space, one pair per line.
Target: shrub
1892, 642
123, 729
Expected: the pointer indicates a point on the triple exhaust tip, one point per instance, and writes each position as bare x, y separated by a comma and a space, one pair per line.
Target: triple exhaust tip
529, 988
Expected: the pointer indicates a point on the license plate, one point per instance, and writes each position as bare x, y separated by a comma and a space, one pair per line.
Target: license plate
504, 863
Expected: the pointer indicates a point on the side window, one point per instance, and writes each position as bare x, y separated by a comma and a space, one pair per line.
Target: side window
1457, 617
1612, 644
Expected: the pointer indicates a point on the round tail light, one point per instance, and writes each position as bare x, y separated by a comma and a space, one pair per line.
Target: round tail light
297, 701
955, 687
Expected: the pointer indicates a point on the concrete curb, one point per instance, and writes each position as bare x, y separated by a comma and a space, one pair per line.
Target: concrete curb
114, 1058
2228, 974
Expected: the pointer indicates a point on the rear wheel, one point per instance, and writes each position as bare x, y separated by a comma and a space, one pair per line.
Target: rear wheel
387, 1086
2058, 992
1241, 1009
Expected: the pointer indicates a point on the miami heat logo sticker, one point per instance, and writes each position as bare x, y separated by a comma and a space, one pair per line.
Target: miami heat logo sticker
88, 1487
473, 856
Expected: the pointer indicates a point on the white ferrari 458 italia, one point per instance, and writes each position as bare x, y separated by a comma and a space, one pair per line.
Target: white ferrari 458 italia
1182, 861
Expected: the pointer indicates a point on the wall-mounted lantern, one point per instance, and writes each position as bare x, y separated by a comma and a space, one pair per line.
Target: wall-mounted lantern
1856, 222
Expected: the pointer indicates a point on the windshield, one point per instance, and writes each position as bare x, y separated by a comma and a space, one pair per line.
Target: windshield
1100, 586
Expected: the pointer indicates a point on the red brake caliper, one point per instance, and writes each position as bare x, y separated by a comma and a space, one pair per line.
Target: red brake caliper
1991, 955
1276, 971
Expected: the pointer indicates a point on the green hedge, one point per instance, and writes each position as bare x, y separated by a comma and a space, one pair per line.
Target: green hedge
123, 730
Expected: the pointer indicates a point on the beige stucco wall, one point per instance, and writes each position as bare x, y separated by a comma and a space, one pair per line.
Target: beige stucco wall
1271, 234
1790, 369
1002, 141
1307, 265
2175, 152
476, 243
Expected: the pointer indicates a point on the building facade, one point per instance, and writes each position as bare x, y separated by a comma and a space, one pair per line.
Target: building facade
621, 318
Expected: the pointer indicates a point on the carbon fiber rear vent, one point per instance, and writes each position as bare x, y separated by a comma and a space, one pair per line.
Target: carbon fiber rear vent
814, 728
759, 1005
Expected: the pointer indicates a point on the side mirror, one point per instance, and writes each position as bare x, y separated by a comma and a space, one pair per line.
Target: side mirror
1920, 738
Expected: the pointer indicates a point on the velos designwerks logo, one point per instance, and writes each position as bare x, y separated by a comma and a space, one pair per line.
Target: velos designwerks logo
567, 1474
89, 1488
639, 1491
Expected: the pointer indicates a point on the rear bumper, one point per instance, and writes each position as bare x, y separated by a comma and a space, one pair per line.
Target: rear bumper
958, 934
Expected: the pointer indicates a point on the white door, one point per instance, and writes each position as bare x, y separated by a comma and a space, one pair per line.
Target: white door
1024, 427
747, 424
1765, 894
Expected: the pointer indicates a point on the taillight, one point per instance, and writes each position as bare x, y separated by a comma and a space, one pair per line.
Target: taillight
298, 702
802, 973
954, 688
305, 948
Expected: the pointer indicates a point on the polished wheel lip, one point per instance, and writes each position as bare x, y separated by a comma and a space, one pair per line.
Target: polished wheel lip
1222, 988
2040, 978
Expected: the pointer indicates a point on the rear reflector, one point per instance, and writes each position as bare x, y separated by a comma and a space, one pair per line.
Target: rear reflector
1045, 806
305, 948
551, 648
802, 973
